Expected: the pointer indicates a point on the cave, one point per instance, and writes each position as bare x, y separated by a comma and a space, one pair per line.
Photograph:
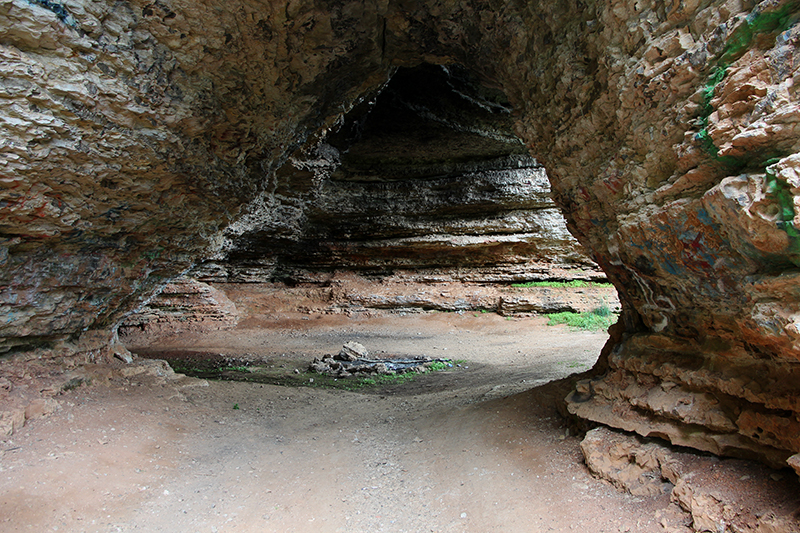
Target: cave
430, 173
149, 146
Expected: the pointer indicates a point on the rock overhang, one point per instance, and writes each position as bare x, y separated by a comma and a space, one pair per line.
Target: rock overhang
668, 133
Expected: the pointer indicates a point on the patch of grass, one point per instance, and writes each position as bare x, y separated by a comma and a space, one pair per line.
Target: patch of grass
355, 384
576, 283
595, 320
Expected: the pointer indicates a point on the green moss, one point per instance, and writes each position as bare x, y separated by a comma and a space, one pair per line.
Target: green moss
596, 320
562, 284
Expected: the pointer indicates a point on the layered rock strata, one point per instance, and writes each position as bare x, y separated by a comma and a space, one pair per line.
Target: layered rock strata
427, 176
497, 224
135, 133
185, 303
715, 495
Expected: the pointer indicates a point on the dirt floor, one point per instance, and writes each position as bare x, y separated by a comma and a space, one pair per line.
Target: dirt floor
479, 447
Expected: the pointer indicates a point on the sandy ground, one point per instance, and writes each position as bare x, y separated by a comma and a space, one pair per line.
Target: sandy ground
479, 448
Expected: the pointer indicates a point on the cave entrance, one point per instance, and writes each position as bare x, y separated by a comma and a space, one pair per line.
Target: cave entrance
421, 200
428, 177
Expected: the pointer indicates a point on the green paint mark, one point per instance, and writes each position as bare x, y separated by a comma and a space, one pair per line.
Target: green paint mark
740, 40
707, 142
779, 190
757, 22
717, 75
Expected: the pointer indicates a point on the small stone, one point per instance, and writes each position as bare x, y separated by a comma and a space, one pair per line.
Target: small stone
11, 421
352, 351
123, 354
794, 462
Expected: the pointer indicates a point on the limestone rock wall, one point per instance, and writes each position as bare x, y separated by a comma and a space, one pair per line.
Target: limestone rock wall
134, 133
427, 176
699, 234
496, 224
184, 304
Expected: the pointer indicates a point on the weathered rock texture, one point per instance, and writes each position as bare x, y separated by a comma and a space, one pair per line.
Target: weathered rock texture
188, 304
718, 496
429, 176
134, 133
184, 303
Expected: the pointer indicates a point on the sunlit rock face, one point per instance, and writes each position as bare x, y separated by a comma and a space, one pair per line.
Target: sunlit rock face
139, 139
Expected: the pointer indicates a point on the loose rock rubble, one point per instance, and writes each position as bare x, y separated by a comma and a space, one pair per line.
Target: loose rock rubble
353, 359
715, 495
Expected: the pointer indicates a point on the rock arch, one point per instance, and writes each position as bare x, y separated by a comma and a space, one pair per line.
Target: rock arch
135, 132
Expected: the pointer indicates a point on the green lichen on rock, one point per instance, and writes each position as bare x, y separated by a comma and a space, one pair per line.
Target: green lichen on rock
758, 22
717, 75
779, 190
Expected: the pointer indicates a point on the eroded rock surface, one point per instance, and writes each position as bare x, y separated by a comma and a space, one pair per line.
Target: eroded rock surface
185, 303
135, 133
715, 495
427, 176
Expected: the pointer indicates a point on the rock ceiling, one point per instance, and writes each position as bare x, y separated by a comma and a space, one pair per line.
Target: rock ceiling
140, 138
